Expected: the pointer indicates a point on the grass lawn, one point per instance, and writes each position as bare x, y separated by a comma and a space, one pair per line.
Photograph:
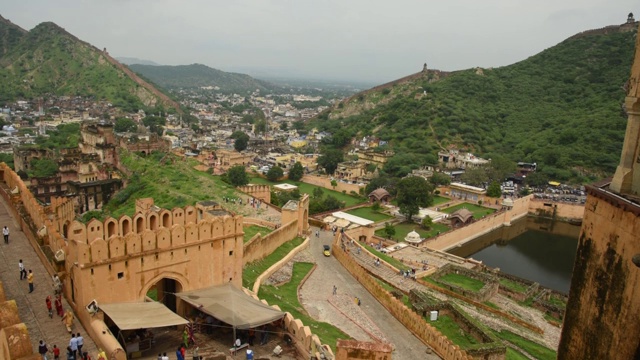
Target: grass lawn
462, 281
515, 355
532, 348
557, 302
286, 296
404, 228
252, 270
308, 189
477, 210
453, 332
169, 180
369, 214
437, 200
512, 285
251, 231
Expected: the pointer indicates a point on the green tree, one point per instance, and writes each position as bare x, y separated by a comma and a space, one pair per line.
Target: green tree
125, 125
43, 168
330, 159
284, 126
494, 190
537, 179
275, 173
241, 140
500, 168
237, 176
155, 123
260, 126
334, 183
389, 230
382, 181
317, 193
439, 178
475, 176
296, 172
413, 192
427, 223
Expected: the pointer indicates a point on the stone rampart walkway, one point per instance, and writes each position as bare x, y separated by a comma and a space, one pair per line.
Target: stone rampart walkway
32, 306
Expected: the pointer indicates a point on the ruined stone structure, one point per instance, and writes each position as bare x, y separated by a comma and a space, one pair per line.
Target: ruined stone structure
85, 172
375, 158
99, 138
351, 349
601, 321
145, 144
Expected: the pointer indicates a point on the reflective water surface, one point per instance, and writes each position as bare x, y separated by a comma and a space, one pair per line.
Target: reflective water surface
530, 248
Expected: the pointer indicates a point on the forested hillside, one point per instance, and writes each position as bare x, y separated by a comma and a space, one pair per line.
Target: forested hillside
561, 108
49, 60
198, 75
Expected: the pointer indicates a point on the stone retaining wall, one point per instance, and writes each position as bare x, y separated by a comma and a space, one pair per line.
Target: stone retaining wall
412, 321
260, 246
489, 289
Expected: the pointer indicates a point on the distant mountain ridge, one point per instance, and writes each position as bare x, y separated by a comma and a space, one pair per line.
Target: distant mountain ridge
131, 60
198, 75
561, 108
48, 60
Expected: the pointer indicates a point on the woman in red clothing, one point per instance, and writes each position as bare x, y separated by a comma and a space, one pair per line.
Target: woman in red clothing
59, 306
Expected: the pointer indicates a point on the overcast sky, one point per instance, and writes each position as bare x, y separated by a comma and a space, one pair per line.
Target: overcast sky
366, 40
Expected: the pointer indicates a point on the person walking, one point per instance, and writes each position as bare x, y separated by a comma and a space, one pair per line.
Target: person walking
335, 289
58, 303
5, 232
30, 280
80, 341
43, 350
56, 352
49, 306
70, 354
23, 272
73, 345
179, 354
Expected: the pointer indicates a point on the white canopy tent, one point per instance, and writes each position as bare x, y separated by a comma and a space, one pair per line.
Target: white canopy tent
232, 306
144, 315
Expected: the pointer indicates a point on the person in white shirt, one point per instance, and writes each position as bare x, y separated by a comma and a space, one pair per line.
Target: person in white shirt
23, 272
5, 232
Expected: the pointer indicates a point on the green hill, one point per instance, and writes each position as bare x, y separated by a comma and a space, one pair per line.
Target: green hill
49, 60
198, 75
561, 108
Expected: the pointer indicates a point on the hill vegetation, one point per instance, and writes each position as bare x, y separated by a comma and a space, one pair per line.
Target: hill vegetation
561, 108
49, 61
198, 75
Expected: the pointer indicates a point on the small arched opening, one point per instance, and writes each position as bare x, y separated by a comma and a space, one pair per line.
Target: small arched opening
153, 222
126, 227
111, 229
139, 224
166, 220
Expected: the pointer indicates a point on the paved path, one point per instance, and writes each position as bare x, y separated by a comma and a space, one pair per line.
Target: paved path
317, 291
31, 306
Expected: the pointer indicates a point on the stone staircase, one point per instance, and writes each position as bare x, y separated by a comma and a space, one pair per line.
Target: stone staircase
383, 272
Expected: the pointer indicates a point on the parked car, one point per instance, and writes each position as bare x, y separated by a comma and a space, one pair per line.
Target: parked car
326, 250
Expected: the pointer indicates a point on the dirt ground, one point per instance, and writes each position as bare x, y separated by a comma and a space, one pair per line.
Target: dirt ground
167, 340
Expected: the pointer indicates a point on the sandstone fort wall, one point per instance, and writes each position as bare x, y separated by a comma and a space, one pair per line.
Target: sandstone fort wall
260, 246
412, 321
